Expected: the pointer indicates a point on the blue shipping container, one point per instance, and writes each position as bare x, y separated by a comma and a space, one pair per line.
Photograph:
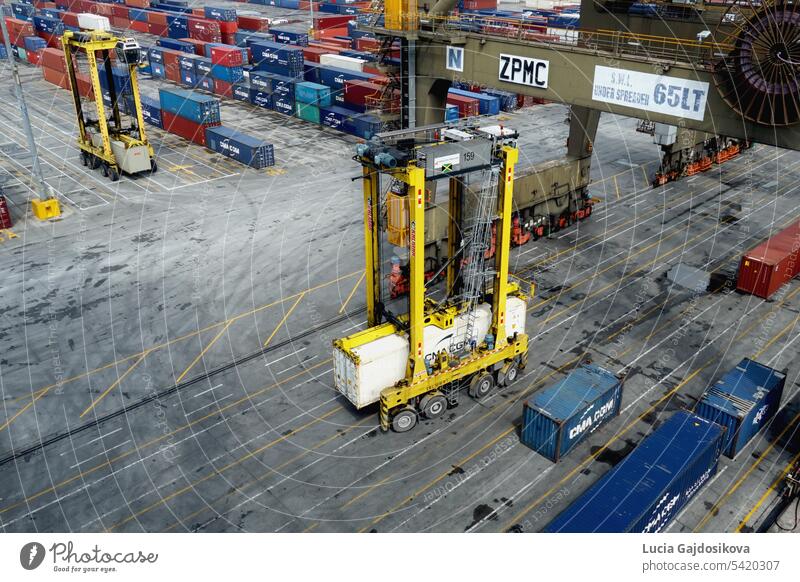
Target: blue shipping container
138, 14
227, 74
187, 63
157, 70
176, 45
285, 36
334, 78
277, 58
245, 37
206, 83
151, 110
362, 125
488, 104
241, 92
556, 419
334, 117
193, 106
240, 146
313, 93
48, 24
260, 98
188, 79
283, 103
451, 113
155, 55
650, 486
743, 401
223, 14
34, 43
23, 11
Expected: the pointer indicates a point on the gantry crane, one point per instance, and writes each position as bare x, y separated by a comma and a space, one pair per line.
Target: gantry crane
107, 143
471, 332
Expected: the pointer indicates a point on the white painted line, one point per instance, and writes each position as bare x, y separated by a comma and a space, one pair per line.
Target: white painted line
297, 365
216, 401
105, 452
268, 364
206, 391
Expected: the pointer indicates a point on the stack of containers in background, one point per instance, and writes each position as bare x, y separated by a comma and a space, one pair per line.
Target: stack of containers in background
188, 114
467, 106
226, 68
227, 22
310, 97
241, 147
33, 48
487, 104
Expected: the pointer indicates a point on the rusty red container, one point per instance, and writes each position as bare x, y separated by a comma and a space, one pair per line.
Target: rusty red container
223, 88
227, 56
140, 26
157, 18
255, 23
766, 268
5, 215
185, 128
467, 106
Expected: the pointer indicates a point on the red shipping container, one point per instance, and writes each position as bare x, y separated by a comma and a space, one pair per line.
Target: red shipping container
55, 77
313, 53
367, 44
203, 29
69, 19
356, 92
223, 88
84, 86
772, 264
228, 38
185, 128
227, 27
324, 22
157, 18
304, 5
226, 56
199, 45
119, 10
102, 9
138, 3
157, 29
140, 26
53, 59
467, 106
255, 23
120, 22
329, 33
34, 57
5, 215
198, 12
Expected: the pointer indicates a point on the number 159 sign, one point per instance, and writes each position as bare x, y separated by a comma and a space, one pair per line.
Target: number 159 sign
657, 93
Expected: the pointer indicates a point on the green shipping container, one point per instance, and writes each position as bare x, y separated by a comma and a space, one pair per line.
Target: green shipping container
308, 112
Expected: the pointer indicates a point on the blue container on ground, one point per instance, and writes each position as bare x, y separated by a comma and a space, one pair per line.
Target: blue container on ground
158, 71
283, 103
228, 74
193, 106
285, 36
488, 104
218, 13
451, 113
334, 116
362, 125
556, 419
650, 486
241, 92
205, 83
508, 100
189, 78
743, 401
177, 26
151, 110
313, 93
260, 98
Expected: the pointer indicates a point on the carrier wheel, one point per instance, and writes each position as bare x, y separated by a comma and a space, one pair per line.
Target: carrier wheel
404, 420
113, 173
507, 374
104, 168
84, 159
481, 384
433, 405
522, 361
94, 161
153, 166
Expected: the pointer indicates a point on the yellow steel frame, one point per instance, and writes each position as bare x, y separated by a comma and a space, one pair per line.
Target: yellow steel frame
101, 42
505, 200
371, 239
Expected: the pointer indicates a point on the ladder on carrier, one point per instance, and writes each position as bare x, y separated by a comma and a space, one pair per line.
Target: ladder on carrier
475, 270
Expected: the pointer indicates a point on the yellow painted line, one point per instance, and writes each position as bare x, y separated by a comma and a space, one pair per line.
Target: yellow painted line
35, 396
789, 325
353, 292
612, 440
742, 479
771, 488
191, 486
138, 449
282, 321
616, 187
273, 471
311, 527
114, 385
202, 353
